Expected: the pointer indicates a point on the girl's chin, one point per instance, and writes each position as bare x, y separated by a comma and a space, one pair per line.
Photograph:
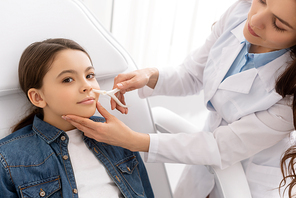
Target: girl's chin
84, 114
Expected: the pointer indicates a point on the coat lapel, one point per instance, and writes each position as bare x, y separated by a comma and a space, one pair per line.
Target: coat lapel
228, 55
271, 71
241, 82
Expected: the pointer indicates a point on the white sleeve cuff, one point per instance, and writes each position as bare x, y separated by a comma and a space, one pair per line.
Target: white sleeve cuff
153, 148
147, 91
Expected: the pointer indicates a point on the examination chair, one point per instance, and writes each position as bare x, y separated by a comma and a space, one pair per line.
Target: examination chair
23, 22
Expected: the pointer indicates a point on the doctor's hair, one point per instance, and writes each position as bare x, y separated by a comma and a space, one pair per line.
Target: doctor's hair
34, 63
286, 85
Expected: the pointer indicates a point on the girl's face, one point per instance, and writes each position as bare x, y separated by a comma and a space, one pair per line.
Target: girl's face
271, 25
67, 88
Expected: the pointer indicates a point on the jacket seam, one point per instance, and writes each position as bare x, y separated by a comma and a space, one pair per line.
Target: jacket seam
66, 172
128, 159
54, 137
7, 167
142, 195
116, 171
17, 138
43, 183
32, 165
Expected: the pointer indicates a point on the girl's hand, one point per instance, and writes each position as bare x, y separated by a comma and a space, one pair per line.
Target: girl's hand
131, 81
113, 131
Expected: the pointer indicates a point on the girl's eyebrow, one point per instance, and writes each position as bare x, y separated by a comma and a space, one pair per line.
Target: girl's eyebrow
73, 71
284, 22
89, 68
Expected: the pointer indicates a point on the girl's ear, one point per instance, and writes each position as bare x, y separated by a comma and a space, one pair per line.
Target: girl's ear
36, 98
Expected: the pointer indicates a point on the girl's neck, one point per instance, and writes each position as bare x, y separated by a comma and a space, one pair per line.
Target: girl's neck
59, 123
256, 49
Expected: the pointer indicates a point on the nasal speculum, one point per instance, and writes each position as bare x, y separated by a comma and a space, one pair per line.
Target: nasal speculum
111, 93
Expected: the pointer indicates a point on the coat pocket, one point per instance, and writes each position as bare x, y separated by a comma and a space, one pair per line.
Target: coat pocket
44, 188
128, 169
264, 180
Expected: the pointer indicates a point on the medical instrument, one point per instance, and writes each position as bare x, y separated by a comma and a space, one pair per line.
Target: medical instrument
111, 93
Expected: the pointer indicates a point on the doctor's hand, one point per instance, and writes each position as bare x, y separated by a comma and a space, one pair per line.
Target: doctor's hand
113, 131
131, 81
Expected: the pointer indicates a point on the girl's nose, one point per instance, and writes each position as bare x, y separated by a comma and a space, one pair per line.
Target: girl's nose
258, 20
86, 87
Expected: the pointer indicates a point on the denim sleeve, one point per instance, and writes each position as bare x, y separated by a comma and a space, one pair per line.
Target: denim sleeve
7, 189
144, 177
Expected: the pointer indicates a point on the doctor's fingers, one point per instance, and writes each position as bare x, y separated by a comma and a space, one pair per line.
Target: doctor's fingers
131, 81
83, 124
114, 105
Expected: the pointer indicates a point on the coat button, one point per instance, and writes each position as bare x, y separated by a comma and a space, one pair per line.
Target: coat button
42, 193
65, 157
75, 191
63, 138
128, 169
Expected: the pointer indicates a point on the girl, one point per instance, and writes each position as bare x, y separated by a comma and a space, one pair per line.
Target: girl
249, 122
48, 157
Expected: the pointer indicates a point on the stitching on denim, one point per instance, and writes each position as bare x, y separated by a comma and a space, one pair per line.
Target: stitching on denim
55, 190
142, 195
33, 165
126, 160
136, 166
95, 146
7, 168
66, 169
44, 183
17, 138
44, 135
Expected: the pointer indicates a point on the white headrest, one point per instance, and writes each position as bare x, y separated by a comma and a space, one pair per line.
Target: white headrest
22, 25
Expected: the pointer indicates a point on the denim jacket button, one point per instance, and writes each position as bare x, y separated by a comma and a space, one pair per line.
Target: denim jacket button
63, 138
128, 169
65, 157
75, 191
42, 193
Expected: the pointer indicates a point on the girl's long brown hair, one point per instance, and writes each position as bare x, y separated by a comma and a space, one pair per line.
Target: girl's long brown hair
35, 62
286, 85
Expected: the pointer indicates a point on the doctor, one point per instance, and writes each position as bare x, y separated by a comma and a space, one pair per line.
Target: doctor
237, 67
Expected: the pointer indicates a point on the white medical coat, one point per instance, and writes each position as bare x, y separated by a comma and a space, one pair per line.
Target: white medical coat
249, 121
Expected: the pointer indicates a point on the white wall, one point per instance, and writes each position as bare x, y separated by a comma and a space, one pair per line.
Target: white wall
102, 9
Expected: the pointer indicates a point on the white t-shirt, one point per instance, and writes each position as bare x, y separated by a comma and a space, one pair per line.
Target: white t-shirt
91, 176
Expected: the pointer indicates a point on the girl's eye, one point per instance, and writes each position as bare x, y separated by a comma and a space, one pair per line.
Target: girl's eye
90, 76
67, 80
277, 28
262, 1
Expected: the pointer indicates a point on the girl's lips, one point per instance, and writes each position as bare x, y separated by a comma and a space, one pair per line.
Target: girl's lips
87, 101
252, 31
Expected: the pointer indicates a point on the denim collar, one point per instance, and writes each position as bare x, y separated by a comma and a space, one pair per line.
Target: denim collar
50, 133
46, 131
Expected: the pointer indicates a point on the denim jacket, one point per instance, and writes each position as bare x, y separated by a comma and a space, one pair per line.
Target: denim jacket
35, 163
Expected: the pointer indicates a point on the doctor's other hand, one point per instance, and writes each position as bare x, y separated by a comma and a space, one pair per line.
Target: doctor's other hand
113, 131
131, 81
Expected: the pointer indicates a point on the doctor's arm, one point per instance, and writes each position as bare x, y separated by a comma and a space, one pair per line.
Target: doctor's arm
225, 146
185, 79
